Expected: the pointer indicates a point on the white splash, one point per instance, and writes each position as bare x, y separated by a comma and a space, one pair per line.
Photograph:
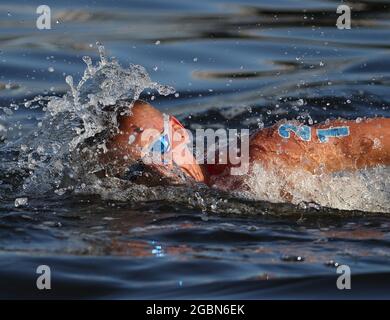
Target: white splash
365, 190
57, 153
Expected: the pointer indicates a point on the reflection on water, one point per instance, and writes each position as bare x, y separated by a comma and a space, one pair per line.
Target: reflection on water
234, 64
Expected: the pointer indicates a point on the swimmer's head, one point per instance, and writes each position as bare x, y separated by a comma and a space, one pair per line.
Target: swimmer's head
155, 140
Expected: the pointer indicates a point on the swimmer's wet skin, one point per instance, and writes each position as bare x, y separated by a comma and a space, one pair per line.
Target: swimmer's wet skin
334, 146
337, 145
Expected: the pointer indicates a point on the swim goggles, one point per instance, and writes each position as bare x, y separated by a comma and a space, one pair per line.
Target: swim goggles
162, 144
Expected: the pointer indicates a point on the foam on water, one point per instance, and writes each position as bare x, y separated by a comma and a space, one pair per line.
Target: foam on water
365, 190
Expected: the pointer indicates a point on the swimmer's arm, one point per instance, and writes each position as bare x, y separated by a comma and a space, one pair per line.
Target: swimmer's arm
335, 146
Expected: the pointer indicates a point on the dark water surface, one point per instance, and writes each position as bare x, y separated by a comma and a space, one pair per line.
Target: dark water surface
220, 56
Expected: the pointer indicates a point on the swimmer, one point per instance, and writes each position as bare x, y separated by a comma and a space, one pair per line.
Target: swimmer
337, 145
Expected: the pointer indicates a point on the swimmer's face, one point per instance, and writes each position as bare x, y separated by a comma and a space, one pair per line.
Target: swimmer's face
158, 140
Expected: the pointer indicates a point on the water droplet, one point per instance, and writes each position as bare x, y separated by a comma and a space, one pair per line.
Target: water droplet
204, 217
131, 139
21, 202
288, 258
102, 52
8, 111
69, 80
